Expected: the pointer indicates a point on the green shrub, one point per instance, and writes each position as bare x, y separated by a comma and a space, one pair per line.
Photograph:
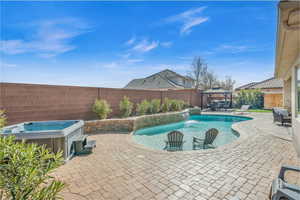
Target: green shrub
255, 98
101, 108
182, 105
154, 106
3, 119
24, 171
126, 107
166, 106
175, 105
143, 107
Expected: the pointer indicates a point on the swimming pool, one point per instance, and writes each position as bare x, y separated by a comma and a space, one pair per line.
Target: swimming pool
195, 125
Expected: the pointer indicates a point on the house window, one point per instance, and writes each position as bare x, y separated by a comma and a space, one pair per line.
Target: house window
298, 91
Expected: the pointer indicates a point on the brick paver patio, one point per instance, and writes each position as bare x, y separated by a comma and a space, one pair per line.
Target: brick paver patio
121, 169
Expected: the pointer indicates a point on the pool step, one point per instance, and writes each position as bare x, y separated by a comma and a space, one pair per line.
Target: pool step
83, 146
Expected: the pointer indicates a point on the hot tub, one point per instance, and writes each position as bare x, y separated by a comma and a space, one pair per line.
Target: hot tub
56, 135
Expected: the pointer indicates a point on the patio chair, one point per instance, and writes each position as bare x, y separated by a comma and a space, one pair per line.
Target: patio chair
206, 143
243, 109
213, 106
281, 189
175, 141
282, 116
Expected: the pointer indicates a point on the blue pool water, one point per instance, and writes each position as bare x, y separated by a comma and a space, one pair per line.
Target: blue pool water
42, 126
196, 125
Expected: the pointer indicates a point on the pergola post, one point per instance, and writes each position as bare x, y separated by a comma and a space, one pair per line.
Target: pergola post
201, 100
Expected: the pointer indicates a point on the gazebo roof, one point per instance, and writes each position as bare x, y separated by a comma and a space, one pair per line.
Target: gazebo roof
217, 91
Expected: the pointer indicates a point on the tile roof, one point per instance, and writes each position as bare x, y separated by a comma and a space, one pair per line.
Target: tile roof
160, 80
246, 86
265, 84
269, 83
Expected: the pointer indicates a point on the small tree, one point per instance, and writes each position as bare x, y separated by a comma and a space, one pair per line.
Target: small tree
255, 98
126, 107
24, 171
143, 107
166, 105
155, 106
228, 83
101, 108
3, 119
204, 79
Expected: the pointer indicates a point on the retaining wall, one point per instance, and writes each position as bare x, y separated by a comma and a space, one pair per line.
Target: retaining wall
133, 123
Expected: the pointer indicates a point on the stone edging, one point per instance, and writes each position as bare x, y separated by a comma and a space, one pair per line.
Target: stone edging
131, 124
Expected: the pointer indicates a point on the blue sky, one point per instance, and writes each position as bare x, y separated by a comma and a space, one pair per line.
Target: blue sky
108, 44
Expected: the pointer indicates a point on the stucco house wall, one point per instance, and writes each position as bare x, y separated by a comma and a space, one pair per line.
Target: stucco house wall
288, 59
287, 98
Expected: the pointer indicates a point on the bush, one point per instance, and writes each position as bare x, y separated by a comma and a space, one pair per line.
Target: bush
24, 171
126, 107
154, 106
182, 104
166, 105
143, 107
176, 105
101, 108
255, 98
3, 119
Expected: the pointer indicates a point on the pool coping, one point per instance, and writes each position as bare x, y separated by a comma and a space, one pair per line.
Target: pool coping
238, 127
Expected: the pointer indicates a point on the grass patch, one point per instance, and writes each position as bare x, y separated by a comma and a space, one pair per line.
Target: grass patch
260, 110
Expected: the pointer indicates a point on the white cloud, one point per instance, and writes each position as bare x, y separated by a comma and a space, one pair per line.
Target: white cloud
166, 44
187, 26
188, 19
130, 41
186, 58
145, 46
135, 60
234, 48
49, 38
110, 65
7, 65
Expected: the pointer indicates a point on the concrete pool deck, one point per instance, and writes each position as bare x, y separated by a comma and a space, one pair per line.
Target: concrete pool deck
121, 169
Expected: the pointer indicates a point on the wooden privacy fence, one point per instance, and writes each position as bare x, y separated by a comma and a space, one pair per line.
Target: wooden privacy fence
32, 102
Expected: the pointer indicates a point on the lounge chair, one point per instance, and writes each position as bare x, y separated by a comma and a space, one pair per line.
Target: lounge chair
243, 109
175, 141
281, 115
281, 189
206, 143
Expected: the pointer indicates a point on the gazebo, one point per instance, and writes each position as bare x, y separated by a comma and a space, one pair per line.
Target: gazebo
217, 94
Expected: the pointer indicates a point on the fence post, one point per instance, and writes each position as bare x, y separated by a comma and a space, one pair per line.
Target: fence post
98, 93
201, 93
191, 96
